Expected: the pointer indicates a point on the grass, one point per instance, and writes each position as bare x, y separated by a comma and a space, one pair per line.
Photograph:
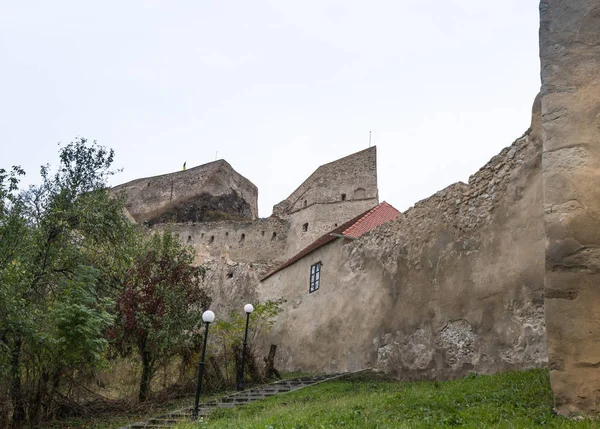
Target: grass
508, 400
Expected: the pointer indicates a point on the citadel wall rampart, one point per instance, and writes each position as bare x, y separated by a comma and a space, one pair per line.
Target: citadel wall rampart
454, 285
260, 240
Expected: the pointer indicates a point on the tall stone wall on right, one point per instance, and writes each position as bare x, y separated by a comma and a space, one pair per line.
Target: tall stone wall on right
570, 60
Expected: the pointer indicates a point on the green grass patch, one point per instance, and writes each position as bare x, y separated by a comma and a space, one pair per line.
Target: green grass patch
509, 400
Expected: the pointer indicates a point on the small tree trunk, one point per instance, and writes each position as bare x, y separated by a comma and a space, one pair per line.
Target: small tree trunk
16, 395
252, 366
237, 355
217, 369
146, 376
36, 407
50, 410
270, 364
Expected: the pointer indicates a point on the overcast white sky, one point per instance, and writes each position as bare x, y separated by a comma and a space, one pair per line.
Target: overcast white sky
276, 87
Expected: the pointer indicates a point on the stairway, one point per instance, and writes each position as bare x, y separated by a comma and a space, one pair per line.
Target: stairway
239, 398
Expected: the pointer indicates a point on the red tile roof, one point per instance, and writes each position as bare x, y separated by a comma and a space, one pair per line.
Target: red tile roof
376, 216
354, 228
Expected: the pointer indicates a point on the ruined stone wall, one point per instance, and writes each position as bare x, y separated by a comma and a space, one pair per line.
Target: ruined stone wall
208, 192
454, 285
570, 57
257, 241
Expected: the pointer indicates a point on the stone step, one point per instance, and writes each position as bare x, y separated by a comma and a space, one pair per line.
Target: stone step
231, 401
161, 421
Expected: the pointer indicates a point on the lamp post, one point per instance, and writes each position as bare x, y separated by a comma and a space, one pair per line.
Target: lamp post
248, 308
207, 317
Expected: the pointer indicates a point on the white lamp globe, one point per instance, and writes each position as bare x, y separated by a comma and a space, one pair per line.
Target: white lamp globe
248, 308
208, 316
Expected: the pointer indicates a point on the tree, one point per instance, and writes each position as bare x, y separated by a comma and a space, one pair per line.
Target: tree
159, 310
56, 242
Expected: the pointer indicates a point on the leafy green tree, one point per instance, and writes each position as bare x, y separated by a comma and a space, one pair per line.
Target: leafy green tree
51, 237
160, 307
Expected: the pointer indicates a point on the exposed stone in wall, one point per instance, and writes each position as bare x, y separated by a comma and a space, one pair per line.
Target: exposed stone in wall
570, 55
454, 285
199, 193
205, 208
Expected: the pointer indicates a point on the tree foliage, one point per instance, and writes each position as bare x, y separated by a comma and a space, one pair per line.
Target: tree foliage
160, 306
70, 262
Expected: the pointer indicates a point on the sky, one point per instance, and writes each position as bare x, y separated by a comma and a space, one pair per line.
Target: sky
276, 88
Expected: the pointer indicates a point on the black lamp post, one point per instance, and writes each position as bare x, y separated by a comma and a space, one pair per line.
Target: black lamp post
248, 308
208, 317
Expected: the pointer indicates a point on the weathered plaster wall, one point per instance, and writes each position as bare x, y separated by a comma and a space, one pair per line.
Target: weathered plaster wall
197, 194
454, 285
570, 56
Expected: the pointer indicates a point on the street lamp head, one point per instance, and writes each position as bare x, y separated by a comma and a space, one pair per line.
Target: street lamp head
208, 316
248, 308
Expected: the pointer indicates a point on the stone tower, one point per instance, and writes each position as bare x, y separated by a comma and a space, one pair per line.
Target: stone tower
333, 194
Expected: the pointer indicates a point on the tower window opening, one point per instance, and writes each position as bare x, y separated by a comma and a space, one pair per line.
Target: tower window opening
212, 238
274, 236
305, 203
343, 197
242, 238
305, 227
189, 238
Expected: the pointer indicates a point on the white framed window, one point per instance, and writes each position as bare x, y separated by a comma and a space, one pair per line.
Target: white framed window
315, 277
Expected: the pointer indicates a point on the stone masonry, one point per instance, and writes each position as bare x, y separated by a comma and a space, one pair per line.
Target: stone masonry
214, 209
570, 59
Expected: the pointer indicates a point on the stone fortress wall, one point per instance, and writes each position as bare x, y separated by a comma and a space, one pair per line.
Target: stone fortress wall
260, 240
454, 285
214, 209
494, 274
